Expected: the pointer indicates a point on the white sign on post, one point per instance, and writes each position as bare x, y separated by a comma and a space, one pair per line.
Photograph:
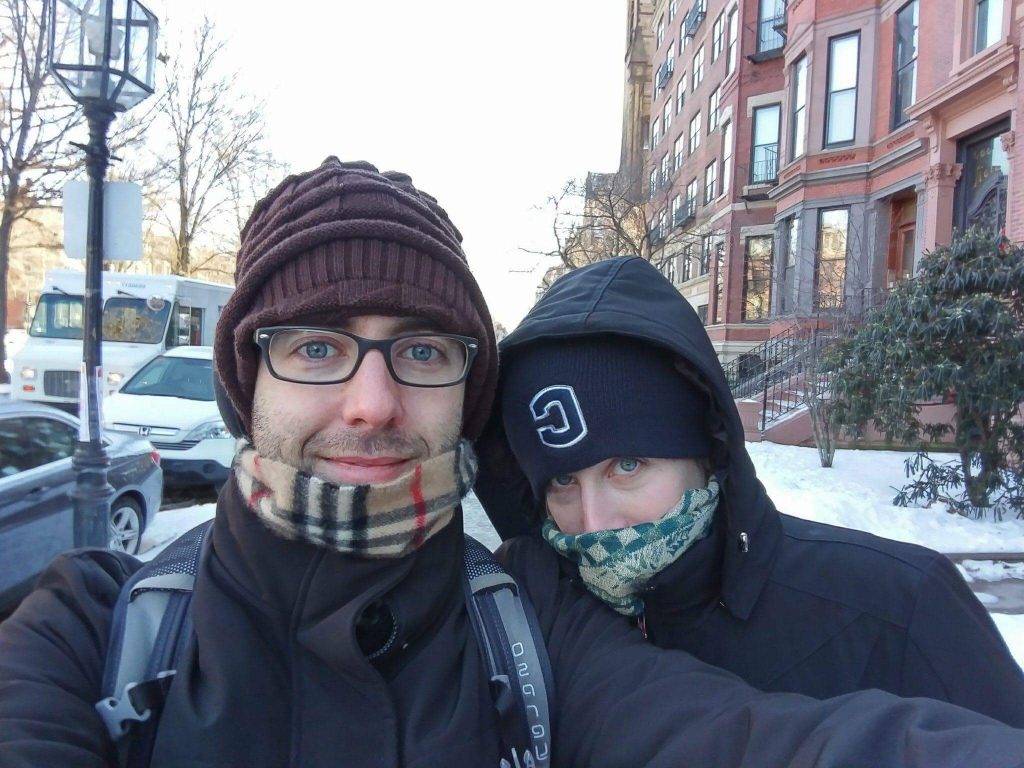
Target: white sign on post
122, 220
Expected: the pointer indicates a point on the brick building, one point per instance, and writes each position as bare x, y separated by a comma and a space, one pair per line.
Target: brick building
812, 150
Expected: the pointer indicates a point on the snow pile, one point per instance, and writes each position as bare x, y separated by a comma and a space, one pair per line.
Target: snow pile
990, 570
169, 524
857, 492
1012, 628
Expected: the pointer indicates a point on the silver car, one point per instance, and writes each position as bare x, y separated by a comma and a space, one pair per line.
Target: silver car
36, 482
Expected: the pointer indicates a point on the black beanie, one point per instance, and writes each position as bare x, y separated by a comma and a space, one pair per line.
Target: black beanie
571, 403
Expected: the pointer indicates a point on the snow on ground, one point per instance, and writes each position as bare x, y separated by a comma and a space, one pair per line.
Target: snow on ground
1012, 628
857, 492
990, 570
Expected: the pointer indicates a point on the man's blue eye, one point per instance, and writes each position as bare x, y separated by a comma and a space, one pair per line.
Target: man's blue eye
421, 353
316, 350
629, 465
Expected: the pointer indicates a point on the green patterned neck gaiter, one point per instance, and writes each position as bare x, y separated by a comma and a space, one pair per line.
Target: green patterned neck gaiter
616, 564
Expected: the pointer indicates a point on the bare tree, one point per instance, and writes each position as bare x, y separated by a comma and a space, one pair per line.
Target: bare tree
213, 159
36, 120
612, 214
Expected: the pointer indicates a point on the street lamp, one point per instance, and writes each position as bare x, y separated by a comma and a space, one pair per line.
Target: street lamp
103, 52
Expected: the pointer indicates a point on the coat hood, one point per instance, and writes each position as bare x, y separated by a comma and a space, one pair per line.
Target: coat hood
630, 297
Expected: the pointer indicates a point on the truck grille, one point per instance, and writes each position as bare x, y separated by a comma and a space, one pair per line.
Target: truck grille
60, 384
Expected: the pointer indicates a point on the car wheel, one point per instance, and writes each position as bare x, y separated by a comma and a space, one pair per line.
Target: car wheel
125, 526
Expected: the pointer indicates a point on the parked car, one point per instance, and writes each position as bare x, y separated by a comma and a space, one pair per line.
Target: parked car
170, 401
36, 482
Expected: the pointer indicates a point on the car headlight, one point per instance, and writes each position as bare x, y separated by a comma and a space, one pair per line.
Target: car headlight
28, 374
114, 379
210, 430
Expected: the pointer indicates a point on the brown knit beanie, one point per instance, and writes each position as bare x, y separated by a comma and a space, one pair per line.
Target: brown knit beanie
346, 240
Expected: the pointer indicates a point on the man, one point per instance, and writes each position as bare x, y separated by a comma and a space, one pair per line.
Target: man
707, 564
329, 619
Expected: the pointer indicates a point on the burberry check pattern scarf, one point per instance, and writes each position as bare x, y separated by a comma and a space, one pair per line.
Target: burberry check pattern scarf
387, 520
616, 564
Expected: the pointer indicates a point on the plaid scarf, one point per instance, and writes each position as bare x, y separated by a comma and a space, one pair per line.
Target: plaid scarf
616, 564
387, 520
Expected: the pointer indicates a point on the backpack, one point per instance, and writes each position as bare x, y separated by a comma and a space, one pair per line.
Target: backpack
152, 623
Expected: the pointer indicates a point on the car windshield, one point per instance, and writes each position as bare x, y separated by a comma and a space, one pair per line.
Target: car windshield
173, 377
58, 316
131, 319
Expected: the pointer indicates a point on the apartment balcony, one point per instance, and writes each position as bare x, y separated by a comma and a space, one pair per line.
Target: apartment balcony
683, 217
694, 18
663, 76
765, 168
771, 34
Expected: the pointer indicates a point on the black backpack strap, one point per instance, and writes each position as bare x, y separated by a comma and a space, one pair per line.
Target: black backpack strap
149, 629
515, 656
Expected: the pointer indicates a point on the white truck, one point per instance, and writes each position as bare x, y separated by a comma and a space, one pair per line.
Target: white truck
143, 315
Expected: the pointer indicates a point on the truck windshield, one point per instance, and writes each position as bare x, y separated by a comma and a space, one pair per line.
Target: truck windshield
129, 319
58, 316
173, 377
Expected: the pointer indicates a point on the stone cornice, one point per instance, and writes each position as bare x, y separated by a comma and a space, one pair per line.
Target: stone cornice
984, 66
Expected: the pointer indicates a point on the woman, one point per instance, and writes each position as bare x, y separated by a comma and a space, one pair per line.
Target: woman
618, 442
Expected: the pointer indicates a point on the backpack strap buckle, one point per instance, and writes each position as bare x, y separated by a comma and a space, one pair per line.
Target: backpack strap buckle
136, 705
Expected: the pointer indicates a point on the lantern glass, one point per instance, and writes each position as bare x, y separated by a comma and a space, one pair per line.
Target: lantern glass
103, 51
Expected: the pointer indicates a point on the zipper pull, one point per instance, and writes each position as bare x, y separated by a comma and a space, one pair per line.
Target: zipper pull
641, 622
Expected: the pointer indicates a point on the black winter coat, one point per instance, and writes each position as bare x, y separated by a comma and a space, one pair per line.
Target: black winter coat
275, 675
787, 604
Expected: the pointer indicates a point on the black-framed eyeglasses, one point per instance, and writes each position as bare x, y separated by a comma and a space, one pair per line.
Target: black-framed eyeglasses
306, 355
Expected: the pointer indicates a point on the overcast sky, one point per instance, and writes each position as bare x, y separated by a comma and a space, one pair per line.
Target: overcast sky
490, 107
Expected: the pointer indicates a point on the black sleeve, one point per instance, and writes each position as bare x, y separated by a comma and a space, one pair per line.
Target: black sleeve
955, 652
620, 701
51, 663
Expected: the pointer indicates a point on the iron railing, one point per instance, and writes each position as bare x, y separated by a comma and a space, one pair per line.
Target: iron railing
694, 17
765, 168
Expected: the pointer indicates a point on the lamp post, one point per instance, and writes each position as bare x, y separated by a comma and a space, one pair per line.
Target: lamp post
103, 52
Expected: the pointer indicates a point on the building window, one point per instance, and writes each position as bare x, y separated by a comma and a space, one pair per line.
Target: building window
660, 36
717, 37
732, 44
790, 280
653, 187
764, 167
714, 108
720, 282
702, 314
683, 40
667, 115
710, 182
698, 69
691, 198
679, 151
681, 94
688, 262
981, 190
768, 18
655, 130
666, 168
726, 156
798, 134
694, 133
672, 7
905, 55
830, 260
757, 278
841, 100
668, 269
677, 207
705, 254
988, 23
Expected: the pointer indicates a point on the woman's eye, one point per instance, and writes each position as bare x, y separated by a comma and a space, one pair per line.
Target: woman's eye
561, 481
628, 465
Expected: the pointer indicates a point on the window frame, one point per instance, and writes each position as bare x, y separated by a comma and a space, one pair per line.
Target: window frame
727, 156
693, 137
976, 47
691, 200
697, 73
804, 62
680, 97
818, 260
747, 278
732, 34
718, 37
712, 169
897, 69
760, 24
714, 108
753, 139
829, 92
